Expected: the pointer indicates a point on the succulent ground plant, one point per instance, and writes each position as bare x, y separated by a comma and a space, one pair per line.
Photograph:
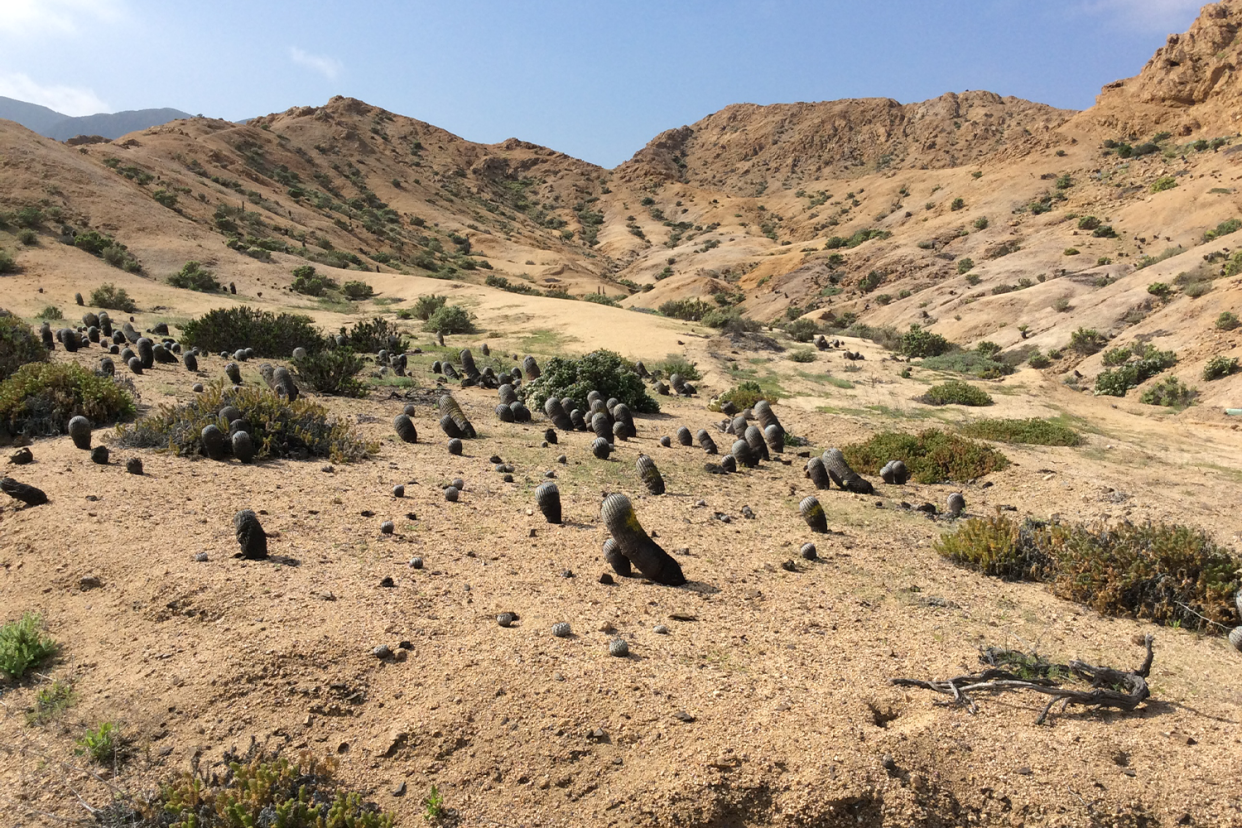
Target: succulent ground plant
650, 475
548, 499
644, 553
243, 446
135, 365
684, 437
813, 514
754, 437
80, 432
743, 455
250, 535
956, 504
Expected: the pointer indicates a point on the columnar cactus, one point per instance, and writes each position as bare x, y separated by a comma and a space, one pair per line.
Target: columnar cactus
507, 394
556, 413
742, 454
843, 475
684, 437
450, 408
754, 437
449, 370
548, 499
774, 436
250, 535
69, 338
650, 475
956, 504
706, 442
763, 412
80, 432
146, 352
644, 553
405, 429
601, 425
285, 386
467, 363
135, 365
191, 361
530, 368
813, 514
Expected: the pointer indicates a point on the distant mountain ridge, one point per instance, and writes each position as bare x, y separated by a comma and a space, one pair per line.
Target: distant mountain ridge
57, 125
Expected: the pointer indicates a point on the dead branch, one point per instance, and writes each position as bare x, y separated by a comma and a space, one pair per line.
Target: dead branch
1119, 689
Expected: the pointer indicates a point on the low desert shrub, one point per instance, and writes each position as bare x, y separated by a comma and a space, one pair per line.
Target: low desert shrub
691, 310
729, 320
802, 355
1032, 431
193, 276
1086, 341
308, 282
19, 345
40, 399
450, 319
51, 702
331, 371
270, 334
370, 336
51, 313
23, 646
932, 456
1219, 366
974, 363
1227, 321
1171, 392
678, 364
956, 392
744, 396
426, 306
7, 263
356, 291
802, 330
112, 297
299, 430
995, 546
603, 371
919, 343
1133, 367
104, 745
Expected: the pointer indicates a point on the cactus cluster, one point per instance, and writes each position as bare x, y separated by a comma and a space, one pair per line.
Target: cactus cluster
644, 553
895, 473
453, 420
841, 473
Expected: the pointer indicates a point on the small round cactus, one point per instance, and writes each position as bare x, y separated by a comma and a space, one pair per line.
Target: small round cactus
808, 552
146, 352
80, 432
135, 365
133, 465
398, 490
405, 428
728, 463
99, 454
191, 362
530, 368
233, 373
299, 354
743, 455
548, 499
666, 442
506, 619
197, 388
616, 559
213, 442
506, 394
550, 437
561, 630
601, 448
455, 447
387, 527
284, 385
504, 413
451, 493
684, 437
243, 446
754, 437
521, 414
618, 647
813, 514
620, 431
229, 413
1235, 638
459, 484
650, 475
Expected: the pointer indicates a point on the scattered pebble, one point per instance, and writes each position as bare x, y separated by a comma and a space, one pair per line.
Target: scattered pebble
562, 459
506, 619
398, 490
201, 557
606, 579
660, 629
387, 581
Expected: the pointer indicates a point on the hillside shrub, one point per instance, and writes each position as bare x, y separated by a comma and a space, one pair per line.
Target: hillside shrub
308, 282
356, 290
1164, 182
802, 355
23, 646
108, 249
955, 392
1219, 366
965, 264
299, 430
744, 395
40, 398
1032, 431
918, 343
983, 366
112, 297
1170, 392
1086, 341
19, 345
802, 330
193, 276
427, 305
1160, 290
932, 456
370, 336
7, 263
602, 299
691, 310
270, 334
729, 320
995, 547
1227, 321
1133, 369
331, 371
602, 370
450, 319
51, 313
1226, 227
678, 364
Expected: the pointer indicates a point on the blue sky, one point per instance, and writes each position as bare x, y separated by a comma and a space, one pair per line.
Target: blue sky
595, 79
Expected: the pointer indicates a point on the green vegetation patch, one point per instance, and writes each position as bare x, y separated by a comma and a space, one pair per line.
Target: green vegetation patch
270, 334
18, 345
931, 456
24, 646
193, 276
603, 371
1032, 431
40, 399
744, 395
956, 392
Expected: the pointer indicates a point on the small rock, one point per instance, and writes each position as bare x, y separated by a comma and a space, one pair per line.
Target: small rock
789, 566
561, 630
618, 647
683, 716
201, 557
398, 490
387, 581
567, 573
606, 579
133, 465
748, 513
506, 619
562, 459
400, 790
660, 629
809, 552
551, 475
406, 645
382, 651
90, 582
327, 469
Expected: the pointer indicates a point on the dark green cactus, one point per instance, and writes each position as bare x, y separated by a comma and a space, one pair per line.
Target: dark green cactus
213, 442
548, 499
80, 432
405, 429
250, 535
650, 475
814, 515
644, 553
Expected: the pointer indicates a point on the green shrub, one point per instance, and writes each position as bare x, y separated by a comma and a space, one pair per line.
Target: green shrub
884, 299
270, 334
1160, 290
955, 392
1039, 361
112, 297
691, 310
1227, 321
1220, 366
973, 279
981, 223
802, 330
969, 362
1226, 227
40, 398
1196, 289
165, 198
1165, 182
7, 263
308, 282
1088, 223
1148, 261
301, 793
678, 364
450, 319
1116, 356
1171, 392
298, 430
371, 336
19, 345
964, 265
193, 276
331, 371
104, 745
108, 249
28, 237
729, 320
918, 343
602, 371
1133, 369
744, 396
428, 305
932, 456
1086, 341
1072, 251
802, 355
994, 546
1033, 431
957, 204
51, 313
356, 291
602, 299
23, 646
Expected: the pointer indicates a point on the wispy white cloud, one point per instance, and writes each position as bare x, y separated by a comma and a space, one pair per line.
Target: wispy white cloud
1148, 15
68, 100
326, 66
37, 17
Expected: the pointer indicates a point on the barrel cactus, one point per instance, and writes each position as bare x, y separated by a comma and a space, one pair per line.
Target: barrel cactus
133, 465
843, 475
405, 429
706, 442
530, 368
813, 514
774, 436
743, 455
549, 436
450, 408
809, 552
556, 413
618, 647
728, 409
601, 425
437, 367
561, 630
955, 504
521, 414
548, 499
601, 448
191, 362
213, 442
894, 472
250, 535
507, 394
619, 563
738, 426
728, 463
467, 363
146, 352
233, 373
243, 446
49, 341
454, 447
127, 354
92, 333
754, 437
684, 437
818, 473
644, 553
285, 386
504, 413
135, 365
576, 419
449, 370
80, 432
1235, 638
650, 475
763, 412
620, 432
69, 338
299, 353
99, 454
451, 494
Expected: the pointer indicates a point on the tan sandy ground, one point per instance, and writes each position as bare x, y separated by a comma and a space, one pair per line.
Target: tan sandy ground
784, 673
